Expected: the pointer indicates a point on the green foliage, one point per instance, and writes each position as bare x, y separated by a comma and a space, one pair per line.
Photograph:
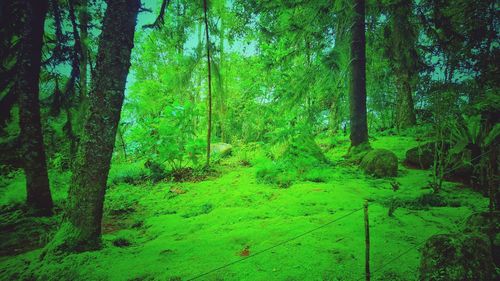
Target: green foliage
156, 171
130, 173
472, 131
172, 137
299, 158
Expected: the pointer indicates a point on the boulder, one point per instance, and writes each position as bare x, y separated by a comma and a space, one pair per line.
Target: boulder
457, 257
421, 157
221, 149
380, 163
487, 224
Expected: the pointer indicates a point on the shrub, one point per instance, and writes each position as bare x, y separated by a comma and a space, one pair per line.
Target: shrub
300, 158
130, 173
156, 170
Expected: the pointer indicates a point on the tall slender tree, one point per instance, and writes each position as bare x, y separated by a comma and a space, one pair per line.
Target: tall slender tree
81, 229
357, 94
207, 35
27, 88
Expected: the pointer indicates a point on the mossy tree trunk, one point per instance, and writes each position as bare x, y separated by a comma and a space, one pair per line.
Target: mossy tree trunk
81, 229
357, 91
401, 51
83, 16
27, 89
405, 113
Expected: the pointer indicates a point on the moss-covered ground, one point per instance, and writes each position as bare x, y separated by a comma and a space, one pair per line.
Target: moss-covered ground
178, 231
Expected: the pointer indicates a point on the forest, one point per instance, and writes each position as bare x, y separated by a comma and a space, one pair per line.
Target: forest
335, 140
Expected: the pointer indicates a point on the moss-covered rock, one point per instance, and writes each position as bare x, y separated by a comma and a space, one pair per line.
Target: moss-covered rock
380, 163
221, 149
421, 157
357, 153
488, 224
457, 257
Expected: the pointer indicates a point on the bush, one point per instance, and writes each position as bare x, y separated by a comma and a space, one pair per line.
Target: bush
156, 170
423, 202
300, 158
130, 173
317, 175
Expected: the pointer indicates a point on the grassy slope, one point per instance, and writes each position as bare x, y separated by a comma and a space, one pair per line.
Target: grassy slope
184, 235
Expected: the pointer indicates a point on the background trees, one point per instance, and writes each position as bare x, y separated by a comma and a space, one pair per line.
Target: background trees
22, 74
283, 73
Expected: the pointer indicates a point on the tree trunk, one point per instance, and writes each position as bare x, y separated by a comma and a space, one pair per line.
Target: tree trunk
405, 113
221, 88
83, 17
81, 229
357, 95
209, 131
27, 89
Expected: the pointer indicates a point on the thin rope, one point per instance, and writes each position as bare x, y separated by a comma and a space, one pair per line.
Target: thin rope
373, 273
275, 246
461, 165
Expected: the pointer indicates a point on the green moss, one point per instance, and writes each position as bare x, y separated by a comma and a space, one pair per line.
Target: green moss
130, 173
380, 163
211, 222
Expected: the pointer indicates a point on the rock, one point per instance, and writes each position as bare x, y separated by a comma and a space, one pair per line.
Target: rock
356, 153
421, 157
457, 257
380, 163
487, 224
221, 149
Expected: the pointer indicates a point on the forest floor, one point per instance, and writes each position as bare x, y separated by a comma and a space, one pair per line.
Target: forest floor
179, 231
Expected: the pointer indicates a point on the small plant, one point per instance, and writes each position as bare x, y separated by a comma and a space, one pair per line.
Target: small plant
156, 170
130, 173
299, 158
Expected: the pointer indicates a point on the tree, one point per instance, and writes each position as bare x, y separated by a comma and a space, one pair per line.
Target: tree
83, 16
402, 53
81, 229
27, 89
209, 131
357, 91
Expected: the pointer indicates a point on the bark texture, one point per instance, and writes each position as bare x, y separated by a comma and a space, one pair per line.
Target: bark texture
27, 89
401, 51
405, 113
357, 94
81, 229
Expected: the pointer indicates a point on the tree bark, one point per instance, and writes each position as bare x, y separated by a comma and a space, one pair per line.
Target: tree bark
81, 229
27, 89
357, 94
83, 17
405, 113
404, 57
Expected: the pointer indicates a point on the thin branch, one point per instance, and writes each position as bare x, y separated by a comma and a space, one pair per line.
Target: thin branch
160, 20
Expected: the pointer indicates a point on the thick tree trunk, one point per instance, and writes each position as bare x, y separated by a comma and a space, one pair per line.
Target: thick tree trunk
81, 229
357, 95
27, 89
405, 113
